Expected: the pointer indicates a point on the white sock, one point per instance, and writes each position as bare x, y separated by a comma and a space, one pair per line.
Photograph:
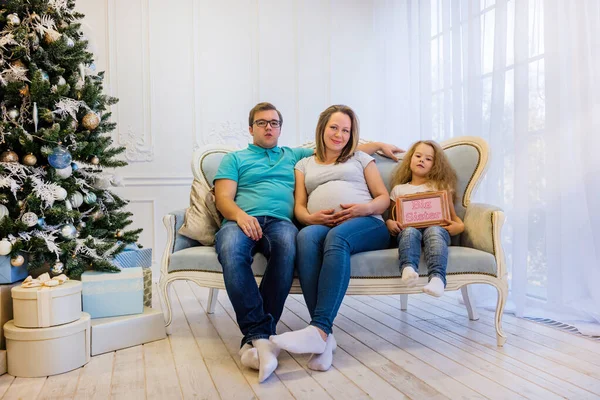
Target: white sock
322, 362
409, 276
304, 341
435, 287
249, 356
267, 357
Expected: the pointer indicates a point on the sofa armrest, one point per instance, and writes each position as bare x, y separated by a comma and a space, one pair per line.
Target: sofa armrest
483, 223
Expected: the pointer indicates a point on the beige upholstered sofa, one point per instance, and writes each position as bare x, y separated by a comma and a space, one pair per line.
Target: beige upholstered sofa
476, 256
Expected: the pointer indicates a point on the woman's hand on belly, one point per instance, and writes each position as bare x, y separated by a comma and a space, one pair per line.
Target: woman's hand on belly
323, 217
352, 211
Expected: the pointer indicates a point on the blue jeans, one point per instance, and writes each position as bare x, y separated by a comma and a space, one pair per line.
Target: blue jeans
257, 309
435, 243
323, 263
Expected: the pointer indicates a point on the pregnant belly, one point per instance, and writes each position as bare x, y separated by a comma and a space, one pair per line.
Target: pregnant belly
329, 196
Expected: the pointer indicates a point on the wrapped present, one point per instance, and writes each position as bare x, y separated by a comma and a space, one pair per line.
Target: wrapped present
44, 306
147, 287
111, 294
110, 334
6, 309
2, 362
132, 256
37, 352
10, 274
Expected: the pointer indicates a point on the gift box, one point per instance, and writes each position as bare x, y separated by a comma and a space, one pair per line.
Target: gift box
3, 366
147, 287
132, 256
6, 309
10, 274
37, 352
41, 307
110, 334
111, 294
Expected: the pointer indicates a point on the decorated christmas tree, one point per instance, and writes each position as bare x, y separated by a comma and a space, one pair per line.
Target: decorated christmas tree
56, 210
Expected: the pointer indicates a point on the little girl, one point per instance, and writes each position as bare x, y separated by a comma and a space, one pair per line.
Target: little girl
425, 168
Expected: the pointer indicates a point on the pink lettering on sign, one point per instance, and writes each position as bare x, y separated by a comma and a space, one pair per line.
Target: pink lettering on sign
422, 210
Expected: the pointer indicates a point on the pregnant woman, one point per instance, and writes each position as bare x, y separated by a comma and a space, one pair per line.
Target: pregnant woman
340, 197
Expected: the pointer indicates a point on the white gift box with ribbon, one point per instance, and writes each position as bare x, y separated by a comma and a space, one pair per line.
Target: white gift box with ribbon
41, 307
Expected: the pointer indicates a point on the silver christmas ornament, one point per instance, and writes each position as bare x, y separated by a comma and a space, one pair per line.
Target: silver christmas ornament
58, 268
13, 113
64, 173
13, 19
61, 81
3, 211
30, 219
17, 261
76, 199
102, 182
68, 231
68, 205
5, 247
70, 42
35, 116
60, 194
81, 225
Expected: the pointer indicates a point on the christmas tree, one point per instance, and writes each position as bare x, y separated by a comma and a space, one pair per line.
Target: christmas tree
56, 211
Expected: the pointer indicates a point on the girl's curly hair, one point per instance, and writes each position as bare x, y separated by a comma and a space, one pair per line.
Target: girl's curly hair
441, 176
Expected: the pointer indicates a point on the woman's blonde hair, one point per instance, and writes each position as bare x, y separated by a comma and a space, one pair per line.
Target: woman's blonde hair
350, 147
441, 176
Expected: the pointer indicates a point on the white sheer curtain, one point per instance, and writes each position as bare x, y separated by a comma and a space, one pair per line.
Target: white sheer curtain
524, 75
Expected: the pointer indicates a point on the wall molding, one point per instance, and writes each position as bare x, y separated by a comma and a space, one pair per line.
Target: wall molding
130, 181
139, 146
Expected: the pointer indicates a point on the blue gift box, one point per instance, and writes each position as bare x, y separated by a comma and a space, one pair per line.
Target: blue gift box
10, 274
132, 256
111, 294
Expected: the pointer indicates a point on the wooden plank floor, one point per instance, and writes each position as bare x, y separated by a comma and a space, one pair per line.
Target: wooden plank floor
430, 351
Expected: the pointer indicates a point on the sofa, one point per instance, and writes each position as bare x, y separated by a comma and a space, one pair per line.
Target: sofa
475, 256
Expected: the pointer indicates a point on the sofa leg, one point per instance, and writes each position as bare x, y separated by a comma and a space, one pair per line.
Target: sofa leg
502, 296
213, 295
403, 302
164, 291
467, 295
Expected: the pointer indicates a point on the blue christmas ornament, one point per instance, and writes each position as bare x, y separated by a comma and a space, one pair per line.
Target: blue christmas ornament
68, 231
74, 166
59, 158
90, 198
41, 222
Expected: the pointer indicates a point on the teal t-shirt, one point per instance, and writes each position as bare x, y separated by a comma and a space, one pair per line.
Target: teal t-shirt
265, 179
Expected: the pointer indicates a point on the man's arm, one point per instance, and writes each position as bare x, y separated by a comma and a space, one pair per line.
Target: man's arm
386, 149
225, 190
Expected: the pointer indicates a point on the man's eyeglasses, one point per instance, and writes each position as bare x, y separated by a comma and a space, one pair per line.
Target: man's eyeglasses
261, 123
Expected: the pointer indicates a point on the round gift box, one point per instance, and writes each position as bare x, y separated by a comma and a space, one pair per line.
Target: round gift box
47, 351
46, 306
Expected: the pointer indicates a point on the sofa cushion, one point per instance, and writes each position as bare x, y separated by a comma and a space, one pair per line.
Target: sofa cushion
202, 220
371, 264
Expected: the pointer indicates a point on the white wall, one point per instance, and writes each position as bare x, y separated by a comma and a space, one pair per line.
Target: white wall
187, 73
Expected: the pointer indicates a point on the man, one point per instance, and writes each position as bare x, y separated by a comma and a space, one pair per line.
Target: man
254, 191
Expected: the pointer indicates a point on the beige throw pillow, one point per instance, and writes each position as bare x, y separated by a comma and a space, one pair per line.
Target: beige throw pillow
202, 220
